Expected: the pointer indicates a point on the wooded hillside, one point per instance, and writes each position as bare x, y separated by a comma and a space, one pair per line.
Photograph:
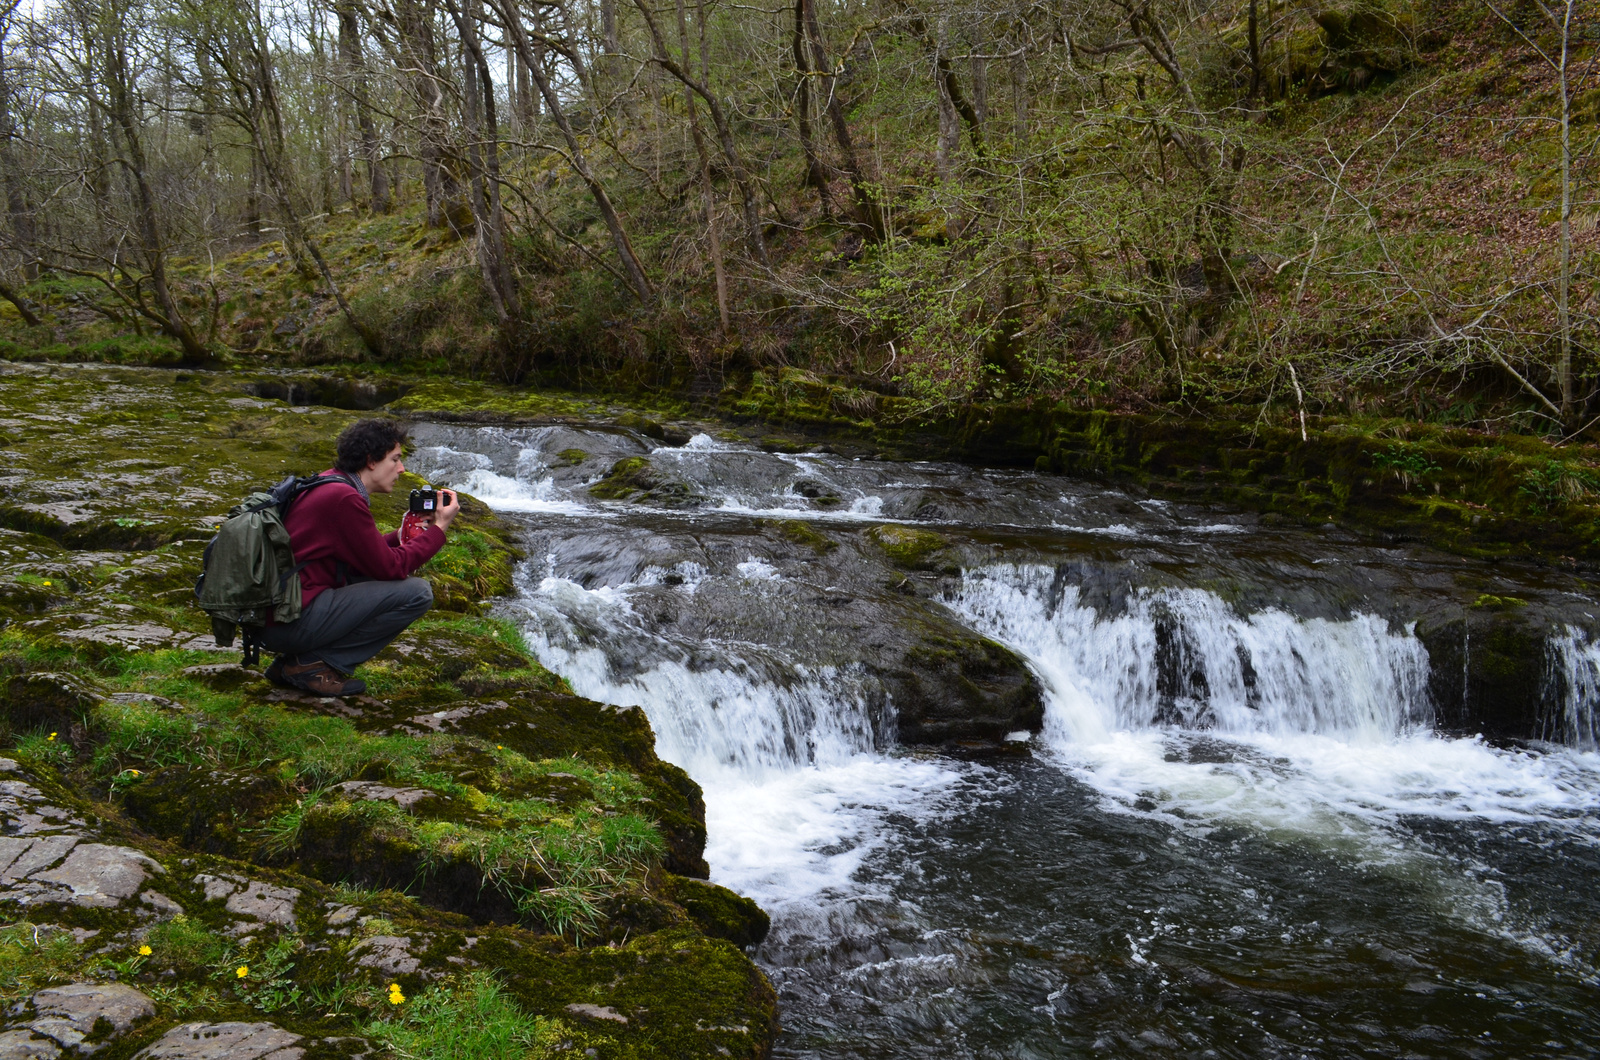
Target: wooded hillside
1349, 206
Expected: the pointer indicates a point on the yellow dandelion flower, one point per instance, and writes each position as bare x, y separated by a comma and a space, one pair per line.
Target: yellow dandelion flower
144, 951
242, 971
397, 998
394, 988
133, 772
51, 737
47, 583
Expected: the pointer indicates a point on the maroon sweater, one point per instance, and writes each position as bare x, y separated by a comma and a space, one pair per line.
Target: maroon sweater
332, 525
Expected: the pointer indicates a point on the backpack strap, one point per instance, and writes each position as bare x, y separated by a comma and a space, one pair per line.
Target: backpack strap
251, 645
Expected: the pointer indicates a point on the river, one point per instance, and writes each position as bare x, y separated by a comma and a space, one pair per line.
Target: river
1237, 834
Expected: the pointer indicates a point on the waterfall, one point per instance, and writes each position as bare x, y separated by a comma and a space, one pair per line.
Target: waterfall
1573, 681
1184, 657
713, 706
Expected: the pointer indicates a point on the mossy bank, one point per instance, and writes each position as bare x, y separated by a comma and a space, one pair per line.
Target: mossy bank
469, 861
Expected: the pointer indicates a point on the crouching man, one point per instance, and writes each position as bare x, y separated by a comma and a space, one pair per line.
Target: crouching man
356, 589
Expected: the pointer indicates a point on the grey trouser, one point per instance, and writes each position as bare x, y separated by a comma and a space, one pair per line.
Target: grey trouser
345, 627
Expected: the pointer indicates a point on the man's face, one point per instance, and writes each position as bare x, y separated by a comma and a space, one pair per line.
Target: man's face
383, 474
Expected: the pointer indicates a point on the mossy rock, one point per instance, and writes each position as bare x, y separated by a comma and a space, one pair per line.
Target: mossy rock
803, 533
719, 912
636, 479
908, 547
51, 701
630, 475
570, 457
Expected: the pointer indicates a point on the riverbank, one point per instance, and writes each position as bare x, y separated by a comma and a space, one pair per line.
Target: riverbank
1489, 496
469, 858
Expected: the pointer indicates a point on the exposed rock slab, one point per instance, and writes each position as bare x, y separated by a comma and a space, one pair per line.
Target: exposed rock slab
225, 1041
264, 902
69, 1014
405, 798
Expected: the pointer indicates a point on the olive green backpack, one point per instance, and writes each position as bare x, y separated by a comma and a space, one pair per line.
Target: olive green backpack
249, 575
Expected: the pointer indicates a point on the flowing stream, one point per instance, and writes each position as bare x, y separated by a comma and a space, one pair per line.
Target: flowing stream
1238, 833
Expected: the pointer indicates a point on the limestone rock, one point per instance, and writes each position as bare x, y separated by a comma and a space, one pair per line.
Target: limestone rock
161, 903
225, 1041
100, 876
69, 1014
405, 798
386, 953
252, 898
24, 1045
597, 1012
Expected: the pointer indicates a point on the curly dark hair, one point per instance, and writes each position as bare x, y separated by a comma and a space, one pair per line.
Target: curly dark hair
365, 441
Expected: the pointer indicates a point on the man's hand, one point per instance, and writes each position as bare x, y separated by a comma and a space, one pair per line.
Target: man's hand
449, 506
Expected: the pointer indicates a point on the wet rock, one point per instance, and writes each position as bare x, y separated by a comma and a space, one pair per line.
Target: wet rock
225, 1041
909, 548
597, 1012
72, 1015
1490, 672
637, 480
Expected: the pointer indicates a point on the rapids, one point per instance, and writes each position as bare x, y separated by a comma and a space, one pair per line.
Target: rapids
1242, 830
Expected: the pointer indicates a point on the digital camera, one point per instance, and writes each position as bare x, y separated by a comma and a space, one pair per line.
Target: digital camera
424, 502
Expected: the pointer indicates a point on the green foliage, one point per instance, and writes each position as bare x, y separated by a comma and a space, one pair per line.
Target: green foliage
1410, 467
186, 946
44, 748
1556, 483
469, 1018
34, 956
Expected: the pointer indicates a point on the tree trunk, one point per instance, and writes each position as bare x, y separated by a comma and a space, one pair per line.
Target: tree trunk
869, 210
816, 175
576, 157
483, 157
355, 67
421, 59
23, 229
147, 223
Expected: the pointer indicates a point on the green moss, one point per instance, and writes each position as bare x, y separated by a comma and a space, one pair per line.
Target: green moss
571, 457
908, 547
721, 913
1487, 602
803, 533
627, 476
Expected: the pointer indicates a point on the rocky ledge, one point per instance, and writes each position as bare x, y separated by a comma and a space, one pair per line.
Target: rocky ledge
470, 861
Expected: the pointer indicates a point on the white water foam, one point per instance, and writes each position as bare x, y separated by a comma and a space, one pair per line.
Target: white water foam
474, 474
1325, 743
797, 792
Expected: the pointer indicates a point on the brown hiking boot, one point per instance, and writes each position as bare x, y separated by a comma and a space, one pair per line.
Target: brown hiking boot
320, 679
